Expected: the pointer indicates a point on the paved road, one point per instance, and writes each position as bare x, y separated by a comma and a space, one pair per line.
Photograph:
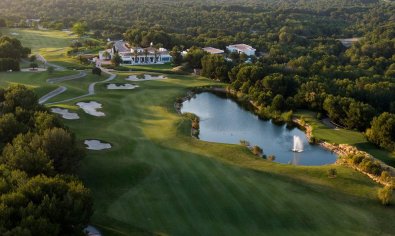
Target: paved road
91, 88
61, 89
46, 63
67, 77
52, 94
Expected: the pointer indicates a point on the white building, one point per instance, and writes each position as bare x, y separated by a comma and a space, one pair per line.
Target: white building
212, 50
242, 48
137, 55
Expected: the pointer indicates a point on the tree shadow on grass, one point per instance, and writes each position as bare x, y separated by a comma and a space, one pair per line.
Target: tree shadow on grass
381, 154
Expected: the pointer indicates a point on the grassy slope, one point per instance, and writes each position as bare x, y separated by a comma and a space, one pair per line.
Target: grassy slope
36, 81
51, 44
159, 179
38, 39
342, 136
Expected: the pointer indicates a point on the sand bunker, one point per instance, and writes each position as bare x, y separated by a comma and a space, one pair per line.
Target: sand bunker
66, 114
146, 77
14, 33
91, 108
122, 86
96, 145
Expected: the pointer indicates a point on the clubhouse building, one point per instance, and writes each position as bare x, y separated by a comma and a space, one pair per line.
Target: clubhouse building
136, 55
242, 48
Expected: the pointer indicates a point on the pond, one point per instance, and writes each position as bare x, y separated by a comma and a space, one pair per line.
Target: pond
223, 120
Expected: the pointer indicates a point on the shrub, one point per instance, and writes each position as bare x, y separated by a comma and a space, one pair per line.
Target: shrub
96, 71
287, 116
371, 167
271, 157
257, 150
313, 139
357, 159
385, 195
385, 176
33, 65
302, 121
9, 64
50, 69
332, 172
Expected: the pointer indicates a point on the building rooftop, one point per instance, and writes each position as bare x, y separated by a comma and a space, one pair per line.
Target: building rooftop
242, 47
121, 47
212, 50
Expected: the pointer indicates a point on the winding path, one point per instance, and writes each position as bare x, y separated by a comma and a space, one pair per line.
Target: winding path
52, 94
66, 78
43, 60
61, 89
56, 92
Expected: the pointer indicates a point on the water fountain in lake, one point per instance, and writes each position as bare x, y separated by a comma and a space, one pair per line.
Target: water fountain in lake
298, 144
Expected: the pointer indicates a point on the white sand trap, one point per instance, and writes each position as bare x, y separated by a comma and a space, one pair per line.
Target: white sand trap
14, 33
146, 77
122, 86
91, 108
65, 113
96, 145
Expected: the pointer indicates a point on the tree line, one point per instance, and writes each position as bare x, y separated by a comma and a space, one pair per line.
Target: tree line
11, 52
39, 194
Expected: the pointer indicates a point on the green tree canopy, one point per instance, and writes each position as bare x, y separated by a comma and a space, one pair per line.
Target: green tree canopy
382, 131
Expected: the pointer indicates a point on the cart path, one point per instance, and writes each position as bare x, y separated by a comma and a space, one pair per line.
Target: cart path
91, 88
61, 89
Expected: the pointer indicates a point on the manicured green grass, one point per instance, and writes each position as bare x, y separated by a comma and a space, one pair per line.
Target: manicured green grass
38, 39
51, 44
158, 179
33, 80
153, 68
343, 136
77, 87
59, 56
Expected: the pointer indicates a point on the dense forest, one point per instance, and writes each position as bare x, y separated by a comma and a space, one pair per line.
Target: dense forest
38, 193
215, 23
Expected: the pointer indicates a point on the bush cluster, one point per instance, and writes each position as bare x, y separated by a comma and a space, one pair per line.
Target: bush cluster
367, 164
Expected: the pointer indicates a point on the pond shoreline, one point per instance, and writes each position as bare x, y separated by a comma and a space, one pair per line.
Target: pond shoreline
340, 150
255, 132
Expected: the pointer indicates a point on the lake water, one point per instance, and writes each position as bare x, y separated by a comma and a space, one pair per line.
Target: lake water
222, 120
